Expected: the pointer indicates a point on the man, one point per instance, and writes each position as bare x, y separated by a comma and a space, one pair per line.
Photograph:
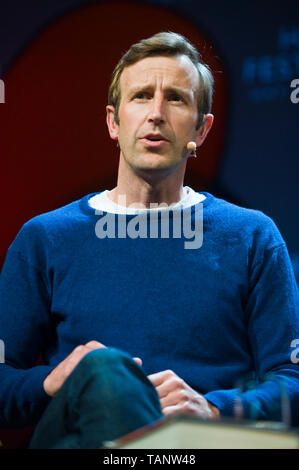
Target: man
113, 284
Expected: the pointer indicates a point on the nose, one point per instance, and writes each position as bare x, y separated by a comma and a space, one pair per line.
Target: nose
156, 112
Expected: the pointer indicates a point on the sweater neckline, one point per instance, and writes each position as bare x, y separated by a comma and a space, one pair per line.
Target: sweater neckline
88, 210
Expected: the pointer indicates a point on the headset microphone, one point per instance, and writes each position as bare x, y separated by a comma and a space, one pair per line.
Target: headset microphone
192, 146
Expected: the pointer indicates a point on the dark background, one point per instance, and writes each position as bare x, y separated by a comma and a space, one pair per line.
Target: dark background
56, 58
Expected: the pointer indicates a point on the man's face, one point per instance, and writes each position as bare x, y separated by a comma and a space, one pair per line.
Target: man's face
157, 113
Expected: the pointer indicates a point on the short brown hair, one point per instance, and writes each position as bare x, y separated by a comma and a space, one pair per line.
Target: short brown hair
164, 44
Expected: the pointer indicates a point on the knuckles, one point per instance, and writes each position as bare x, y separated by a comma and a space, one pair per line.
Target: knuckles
169, 373
175, 379
79, 349
177, 382
183, 395
94, 344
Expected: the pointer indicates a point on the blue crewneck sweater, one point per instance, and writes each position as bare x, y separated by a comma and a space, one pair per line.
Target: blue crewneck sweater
215, 315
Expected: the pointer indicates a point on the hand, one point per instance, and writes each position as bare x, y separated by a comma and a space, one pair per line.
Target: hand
54, 381
177, 397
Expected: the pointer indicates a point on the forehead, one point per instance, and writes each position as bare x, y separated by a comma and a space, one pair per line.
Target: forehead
176, 71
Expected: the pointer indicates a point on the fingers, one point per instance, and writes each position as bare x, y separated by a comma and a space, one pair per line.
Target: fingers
166, 382
138, 361
94, 345
172, 410
187, 409
169, 387
176, 396
97, 345
159, 377
77, 355
173, 385
54, 381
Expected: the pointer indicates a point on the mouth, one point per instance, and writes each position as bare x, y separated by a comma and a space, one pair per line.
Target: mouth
154, 140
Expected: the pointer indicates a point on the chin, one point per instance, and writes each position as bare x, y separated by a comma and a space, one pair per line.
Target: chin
154, 166
155, 160
151, 172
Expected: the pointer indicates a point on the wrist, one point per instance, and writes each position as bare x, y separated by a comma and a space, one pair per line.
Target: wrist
215, 413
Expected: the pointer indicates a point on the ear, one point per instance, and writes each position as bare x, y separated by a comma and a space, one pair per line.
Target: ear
204, 129
111, 124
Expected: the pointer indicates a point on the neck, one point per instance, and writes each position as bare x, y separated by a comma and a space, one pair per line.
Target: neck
145, 188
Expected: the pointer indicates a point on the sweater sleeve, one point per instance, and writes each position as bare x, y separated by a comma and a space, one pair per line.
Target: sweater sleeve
273, 326
24, 332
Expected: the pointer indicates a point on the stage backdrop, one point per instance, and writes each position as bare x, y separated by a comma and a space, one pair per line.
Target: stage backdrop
55, 139
56, 58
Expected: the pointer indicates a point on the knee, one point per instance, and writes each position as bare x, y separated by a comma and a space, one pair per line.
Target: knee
105, 359
106, 368
103, 355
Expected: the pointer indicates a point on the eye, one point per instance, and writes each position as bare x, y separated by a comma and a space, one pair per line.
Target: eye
175, 97
142, 95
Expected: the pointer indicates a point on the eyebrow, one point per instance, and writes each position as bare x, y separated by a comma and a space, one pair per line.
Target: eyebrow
185, 92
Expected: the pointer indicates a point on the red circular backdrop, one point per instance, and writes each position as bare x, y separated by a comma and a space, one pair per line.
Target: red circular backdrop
54, 142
